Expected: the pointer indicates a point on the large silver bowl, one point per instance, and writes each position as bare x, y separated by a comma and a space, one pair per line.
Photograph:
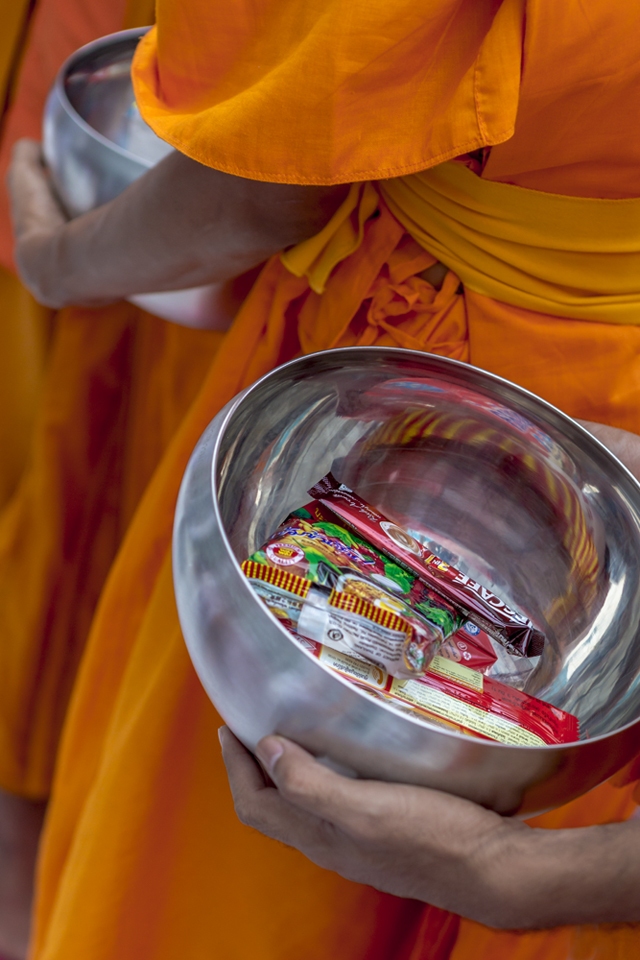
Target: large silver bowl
96, 144
518, 494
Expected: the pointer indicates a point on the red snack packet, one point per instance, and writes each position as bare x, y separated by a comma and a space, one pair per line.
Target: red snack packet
471, 646
487, 706
482, 606
457, 698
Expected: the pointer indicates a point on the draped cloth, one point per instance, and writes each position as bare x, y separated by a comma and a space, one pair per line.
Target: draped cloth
444, 79
143, 857
35, 37
77, 391
565, 256
140, 726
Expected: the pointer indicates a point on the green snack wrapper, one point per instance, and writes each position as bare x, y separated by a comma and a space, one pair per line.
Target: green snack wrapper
310, 544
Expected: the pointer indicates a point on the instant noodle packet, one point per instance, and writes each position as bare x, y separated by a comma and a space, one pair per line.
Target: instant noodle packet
311, 545
460, 699
515, 631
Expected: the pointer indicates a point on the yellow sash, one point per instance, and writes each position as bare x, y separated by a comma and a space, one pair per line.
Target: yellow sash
562, 256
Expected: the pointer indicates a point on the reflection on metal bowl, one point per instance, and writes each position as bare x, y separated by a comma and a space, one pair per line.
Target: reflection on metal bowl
96, 144
504, 485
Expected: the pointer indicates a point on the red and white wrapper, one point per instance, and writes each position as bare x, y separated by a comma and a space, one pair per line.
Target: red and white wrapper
453, 696
472, 646
483, 607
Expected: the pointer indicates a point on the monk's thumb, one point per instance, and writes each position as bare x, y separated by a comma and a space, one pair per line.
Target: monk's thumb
305, 782
269, 751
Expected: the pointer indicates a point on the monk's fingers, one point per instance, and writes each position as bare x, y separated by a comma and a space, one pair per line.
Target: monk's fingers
362, 809
27, 153
34, 205
374, 814
262, 807
241, 766
409, 841
623, 444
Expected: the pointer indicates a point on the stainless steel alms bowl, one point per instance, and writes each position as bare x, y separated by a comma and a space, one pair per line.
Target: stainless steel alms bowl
502, 483
96, 144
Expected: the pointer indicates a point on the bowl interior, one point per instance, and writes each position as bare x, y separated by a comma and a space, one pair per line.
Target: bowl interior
496, 481
98, 87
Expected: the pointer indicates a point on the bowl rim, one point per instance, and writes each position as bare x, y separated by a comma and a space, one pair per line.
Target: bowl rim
447, 362
59, 90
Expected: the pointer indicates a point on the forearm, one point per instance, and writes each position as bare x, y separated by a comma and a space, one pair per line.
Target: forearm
549, 878
180, 225
426, 845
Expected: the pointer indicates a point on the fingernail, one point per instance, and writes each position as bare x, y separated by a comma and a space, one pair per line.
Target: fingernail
269, 752
221, 734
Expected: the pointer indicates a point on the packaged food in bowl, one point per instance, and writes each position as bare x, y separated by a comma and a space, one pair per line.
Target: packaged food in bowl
341, 620
461, 699
367, 645
481, 605
310, 544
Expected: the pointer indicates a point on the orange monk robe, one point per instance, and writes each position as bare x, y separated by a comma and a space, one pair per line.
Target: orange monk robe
117, 383
143, 857
35, 37
23, 327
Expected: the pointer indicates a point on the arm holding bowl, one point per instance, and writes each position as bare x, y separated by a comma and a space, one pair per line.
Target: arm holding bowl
431, 846
441, 849
183, 224
180, 225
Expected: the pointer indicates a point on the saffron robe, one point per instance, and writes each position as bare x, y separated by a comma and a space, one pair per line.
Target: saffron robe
86, 382
142, 855
24, 326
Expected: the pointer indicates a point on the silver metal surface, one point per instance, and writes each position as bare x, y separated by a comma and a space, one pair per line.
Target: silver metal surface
96, 144
516, 493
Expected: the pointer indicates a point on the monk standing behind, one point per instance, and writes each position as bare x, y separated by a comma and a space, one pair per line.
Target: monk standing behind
104, 389
142, 857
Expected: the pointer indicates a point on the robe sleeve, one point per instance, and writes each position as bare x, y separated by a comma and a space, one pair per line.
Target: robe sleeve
330, 91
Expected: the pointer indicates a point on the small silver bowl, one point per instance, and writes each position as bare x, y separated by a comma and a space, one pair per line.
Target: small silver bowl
507, 487
96, 144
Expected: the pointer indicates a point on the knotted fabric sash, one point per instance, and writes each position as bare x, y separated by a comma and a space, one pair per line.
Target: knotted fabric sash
562, 256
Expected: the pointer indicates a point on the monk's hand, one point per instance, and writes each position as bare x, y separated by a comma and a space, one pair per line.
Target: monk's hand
408, 841
38, 221
623, 444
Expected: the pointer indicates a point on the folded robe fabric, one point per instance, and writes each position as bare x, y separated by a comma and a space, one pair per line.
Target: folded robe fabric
24, 326
572, 257
137, 762
143, 857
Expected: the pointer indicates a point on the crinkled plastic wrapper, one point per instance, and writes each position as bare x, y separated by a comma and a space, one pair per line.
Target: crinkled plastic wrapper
388, 632
460, 699
515, 631
312, 546
474, 648
337, 619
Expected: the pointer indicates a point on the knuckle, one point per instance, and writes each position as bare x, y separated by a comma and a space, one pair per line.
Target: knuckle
323, 847
293, 784
245, 813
